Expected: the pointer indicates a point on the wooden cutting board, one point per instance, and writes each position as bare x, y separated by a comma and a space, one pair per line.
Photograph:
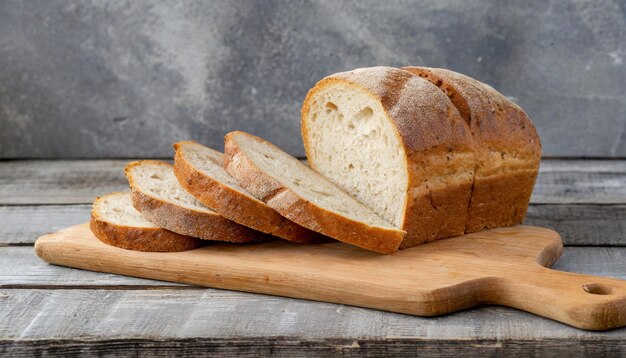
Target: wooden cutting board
502, 266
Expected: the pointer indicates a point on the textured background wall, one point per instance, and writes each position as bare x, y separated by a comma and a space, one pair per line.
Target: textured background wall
127, 78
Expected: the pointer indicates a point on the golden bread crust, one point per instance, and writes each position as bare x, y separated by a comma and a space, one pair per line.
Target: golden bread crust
508, 149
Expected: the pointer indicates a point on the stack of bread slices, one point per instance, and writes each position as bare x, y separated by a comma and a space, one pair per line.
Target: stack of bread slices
396, 158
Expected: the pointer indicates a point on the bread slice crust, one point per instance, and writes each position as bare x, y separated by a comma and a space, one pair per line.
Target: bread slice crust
233, 204
438, 146
183, 220
151, 239
508, 149
288, 203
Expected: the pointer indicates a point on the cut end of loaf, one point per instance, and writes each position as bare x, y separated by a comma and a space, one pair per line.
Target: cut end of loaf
304, 196
414, 153
350, 141
294, 175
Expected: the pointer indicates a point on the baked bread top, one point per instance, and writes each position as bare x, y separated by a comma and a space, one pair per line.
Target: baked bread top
505, 137
508, 149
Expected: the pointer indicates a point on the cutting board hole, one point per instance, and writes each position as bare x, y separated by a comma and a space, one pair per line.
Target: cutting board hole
597, 289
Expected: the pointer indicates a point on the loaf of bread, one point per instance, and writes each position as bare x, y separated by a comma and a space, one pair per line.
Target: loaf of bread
398, 157
115, 221
395, 142
400, 145
508, 149
304, 196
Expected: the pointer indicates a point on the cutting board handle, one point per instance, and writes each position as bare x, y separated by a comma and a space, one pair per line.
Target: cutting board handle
584, 301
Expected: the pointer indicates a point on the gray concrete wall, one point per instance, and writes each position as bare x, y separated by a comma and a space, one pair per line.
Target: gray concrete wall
127, 78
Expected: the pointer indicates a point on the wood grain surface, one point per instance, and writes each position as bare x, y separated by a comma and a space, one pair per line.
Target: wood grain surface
207, 322
500, 266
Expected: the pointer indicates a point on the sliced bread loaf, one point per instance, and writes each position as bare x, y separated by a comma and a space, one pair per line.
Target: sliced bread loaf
115, 221
304, 196
159, 197
200, 170
395, 142
508, 149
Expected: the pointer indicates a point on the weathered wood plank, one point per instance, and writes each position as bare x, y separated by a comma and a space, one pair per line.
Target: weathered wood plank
603, 261
582, 224
24, 224
306, 347
79, 181
19, 266
59, 181
92, 317
577, 224
498, 266
118, 320
581, 181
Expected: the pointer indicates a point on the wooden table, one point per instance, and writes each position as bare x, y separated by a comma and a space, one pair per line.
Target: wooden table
60, 311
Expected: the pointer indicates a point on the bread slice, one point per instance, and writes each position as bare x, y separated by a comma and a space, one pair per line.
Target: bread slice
508, 149
158, 196
115, 221
200, 170
395, 142
304, 196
